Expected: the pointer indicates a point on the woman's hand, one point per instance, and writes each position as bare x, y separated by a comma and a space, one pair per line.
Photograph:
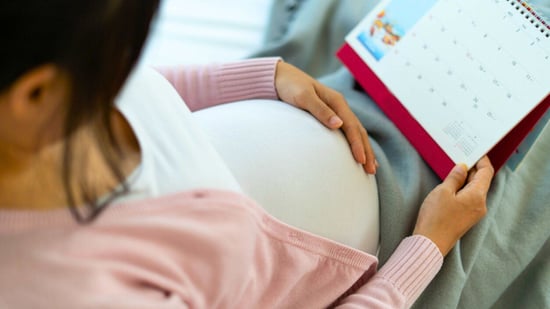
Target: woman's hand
328, 106
451, 209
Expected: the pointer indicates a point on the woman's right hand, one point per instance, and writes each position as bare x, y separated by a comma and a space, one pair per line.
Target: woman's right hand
452, 208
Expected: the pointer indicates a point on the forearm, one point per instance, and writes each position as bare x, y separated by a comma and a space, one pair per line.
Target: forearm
208, 85
402, 279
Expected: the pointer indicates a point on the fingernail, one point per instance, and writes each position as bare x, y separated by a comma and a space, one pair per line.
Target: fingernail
376, 163
461, 168
335, 121
363, 157
373, 168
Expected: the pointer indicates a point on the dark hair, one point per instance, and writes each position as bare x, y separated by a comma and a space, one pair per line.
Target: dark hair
97, 43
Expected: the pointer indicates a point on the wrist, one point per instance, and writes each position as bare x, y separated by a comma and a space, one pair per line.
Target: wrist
440, 241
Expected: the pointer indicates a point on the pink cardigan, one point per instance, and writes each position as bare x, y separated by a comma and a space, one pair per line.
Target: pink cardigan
199, 249
206, 86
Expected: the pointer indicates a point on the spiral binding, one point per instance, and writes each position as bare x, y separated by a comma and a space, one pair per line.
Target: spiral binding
529, 13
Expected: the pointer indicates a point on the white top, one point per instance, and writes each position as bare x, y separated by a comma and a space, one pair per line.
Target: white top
176, 155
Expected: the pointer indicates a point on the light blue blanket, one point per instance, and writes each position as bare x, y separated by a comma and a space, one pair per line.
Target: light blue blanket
504, 262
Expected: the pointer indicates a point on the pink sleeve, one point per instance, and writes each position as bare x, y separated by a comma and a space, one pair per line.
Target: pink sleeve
402, 279
208, 85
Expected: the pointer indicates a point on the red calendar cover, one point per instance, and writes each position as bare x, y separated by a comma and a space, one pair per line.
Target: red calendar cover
406, 54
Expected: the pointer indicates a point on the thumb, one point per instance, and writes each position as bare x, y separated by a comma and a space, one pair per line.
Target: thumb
457, 177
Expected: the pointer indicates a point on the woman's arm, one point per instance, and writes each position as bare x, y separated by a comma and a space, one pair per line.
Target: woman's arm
209, 85
402, 279
271, 78
447, 213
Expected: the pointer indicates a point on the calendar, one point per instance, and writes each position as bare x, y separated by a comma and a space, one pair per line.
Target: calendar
460, 78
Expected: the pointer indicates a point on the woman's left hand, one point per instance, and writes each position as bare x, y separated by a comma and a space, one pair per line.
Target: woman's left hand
327, 105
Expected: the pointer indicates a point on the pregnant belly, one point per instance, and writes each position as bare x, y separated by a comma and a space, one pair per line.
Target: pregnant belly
301, 172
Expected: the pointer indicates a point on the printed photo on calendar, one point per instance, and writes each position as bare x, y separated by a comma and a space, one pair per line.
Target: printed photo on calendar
390, 24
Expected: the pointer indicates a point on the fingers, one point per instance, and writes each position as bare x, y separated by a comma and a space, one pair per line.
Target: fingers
479, 177
355, 135
484, 172
362, 151
328, 106
448, 212
354, 131
456, 178
324, 113
371, 164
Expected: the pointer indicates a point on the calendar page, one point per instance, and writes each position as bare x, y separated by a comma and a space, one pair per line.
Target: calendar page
468, 71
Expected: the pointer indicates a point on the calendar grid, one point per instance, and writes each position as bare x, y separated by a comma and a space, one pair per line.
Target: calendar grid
466, 70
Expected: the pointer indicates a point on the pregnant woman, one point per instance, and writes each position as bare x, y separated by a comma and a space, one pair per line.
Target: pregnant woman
113, 196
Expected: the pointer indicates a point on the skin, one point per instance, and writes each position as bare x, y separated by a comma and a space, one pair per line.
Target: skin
328, 106
32, 112
27, 138
456, 205
31, 142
